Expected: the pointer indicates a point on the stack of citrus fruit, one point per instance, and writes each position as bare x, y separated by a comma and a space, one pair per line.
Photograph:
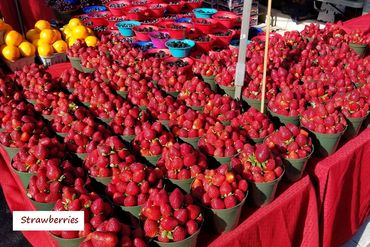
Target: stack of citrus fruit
47, 39
75, 30
15, 45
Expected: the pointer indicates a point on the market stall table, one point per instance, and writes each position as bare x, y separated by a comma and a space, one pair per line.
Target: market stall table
343, 187
290, 220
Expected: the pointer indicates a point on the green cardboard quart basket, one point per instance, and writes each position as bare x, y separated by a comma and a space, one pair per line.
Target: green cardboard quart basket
225, 220
173, 94
63, 242
123, 94
192, 141
76, 63
210, 80
128, 138
103, 180
256, 103
228, 90
48, 117
31, 101
24, 177
152, 159
294, 168
190, 241
264, 192
354, 126
165, 123
223, 160
42, 206
285, 119
184, 184
360, 49
197, 108
10, 151
134, 210
328, 143
82, 156
88, 70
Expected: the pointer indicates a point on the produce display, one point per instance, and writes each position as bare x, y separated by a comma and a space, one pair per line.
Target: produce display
155, 148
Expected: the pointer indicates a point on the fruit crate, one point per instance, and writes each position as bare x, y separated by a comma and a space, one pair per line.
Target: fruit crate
20, 63
54, 59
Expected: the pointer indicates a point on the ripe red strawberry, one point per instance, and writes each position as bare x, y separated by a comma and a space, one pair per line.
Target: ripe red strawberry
113, 225
176, 198
153, 213
104, 239
191, 226
230, 201
179, 234
97, 206
225, 188
169, 223
213, 191
194, 211
181, 215
151, 228
217, 203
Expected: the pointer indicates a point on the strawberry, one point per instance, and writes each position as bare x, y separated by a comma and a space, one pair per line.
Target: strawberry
150, 228
230, 201
181, 215
97, 206
179, 234
191, 227
113, 225
104, 239
225, 188
169, 223
213, 191
176, 198
153, 213
194, 211
217, 203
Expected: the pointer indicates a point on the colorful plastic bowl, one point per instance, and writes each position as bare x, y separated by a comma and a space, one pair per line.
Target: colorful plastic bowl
177, 51
143, 35
143, 45
118, 8
92, 9
184, 20
125, 27
158, 43
204, 12
226, 19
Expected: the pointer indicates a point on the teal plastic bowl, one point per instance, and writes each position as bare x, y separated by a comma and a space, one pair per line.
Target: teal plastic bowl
204, 12
125, 27
180, 52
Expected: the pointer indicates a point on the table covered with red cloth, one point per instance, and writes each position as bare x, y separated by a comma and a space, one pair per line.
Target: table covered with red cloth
290, 220
343, 187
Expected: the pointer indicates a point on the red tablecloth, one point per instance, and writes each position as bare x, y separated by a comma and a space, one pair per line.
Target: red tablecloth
343, 187
290, 220
16, 198
359, 23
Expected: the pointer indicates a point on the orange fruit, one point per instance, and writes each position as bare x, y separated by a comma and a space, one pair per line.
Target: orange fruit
60, 46
7, 27
13, 38
80, 32
74, 22
27, 49
47, 36
91, 41
57, 35
32, 34
42, 24
11, 52
45, 50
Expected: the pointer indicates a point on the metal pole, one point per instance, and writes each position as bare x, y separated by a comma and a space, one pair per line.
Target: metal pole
240, 66
19, 17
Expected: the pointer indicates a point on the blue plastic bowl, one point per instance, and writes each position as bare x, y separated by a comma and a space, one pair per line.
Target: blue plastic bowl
143, 45
204, 12
180, 52
183, 20
92, 9
73, 2
127, 31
